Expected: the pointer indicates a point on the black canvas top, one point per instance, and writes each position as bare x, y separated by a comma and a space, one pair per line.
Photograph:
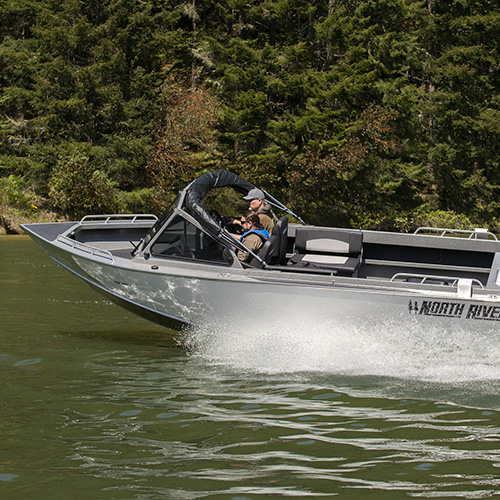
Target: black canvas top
199, 188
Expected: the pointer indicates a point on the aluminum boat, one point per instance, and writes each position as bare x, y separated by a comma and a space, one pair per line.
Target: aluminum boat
181, 268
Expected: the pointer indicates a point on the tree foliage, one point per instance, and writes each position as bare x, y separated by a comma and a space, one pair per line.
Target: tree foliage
182, 138
350, 111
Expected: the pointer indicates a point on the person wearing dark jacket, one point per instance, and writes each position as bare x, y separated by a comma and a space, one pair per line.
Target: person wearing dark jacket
257, 204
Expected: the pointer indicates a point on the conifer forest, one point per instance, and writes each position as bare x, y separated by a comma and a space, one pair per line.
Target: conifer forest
378, 114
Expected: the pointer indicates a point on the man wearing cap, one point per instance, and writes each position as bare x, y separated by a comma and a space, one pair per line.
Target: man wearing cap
257, 204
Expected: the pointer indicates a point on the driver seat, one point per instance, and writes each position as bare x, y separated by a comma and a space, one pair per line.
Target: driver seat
274, 249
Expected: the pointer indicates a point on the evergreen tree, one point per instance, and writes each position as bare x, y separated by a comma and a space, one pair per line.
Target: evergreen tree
355, 112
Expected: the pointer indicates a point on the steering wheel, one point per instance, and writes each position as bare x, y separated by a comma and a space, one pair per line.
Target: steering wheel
217, 217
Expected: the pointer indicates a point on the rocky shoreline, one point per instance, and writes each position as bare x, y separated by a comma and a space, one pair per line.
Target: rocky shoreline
9, 227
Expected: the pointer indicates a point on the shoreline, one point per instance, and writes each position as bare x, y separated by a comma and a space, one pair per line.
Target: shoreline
11, 220
10, 228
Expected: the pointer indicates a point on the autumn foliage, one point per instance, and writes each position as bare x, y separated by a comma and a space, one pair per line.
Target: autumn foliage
183, 138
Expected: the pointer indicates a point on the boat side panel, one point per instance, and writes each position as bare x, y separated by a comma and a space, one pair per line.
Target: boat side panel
222, 299
105, 237
428, 255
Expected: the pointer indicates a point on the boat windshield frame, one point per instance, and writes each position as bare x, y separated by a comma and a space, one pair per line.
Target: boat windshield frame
166, 214
222, 237
188, 205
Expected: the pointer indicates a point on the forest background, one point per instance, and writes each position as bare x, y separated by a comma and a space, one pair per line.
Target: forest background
372, 113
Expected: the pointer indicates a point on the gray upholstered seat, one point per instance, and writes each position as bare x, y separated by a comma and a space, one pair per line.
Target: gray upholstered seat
281, 230
336, 250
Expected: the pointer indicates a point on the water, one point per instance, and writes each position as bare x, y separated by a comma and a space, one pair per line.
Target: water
96, 403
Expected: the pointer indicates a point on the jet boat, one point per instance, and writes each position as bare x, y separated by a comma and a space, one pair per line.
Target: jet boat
182, 268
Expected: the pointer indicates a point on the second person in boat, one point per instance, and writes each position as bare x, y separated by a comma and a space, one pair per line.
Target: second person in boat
253, 237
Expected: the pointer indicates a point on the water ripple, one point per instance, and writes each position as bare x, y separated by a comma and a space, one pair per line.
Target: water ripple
181, 422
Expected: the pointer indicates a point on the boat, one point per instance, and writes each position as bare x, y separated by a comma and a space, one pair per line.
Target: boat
181, 268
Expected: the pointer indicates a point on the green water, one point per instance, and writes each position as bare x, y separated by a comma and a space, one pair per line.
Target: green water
99, 404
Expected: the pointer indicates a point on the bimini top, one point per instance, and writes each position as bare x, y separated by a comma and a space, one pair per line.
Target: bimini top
198, 189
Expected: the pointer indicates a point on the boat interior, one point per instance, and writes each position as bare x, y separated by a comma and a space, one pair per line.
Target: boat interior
429, 256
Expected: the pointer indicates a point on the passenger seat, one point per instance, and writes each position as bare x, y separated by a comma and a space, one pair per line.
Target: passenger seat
330, 249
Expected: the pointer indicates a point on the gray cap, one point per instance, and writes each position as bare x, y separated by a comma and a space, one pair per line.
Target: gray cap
254, 193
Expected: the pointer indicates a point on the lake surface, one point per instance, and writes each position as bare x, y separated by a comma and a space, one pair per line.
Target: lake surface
99, 404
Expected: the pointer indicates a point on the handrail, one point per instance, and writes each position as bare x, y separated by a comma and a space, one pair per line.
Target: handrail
477, 233
116, 218
83, 247
424, 277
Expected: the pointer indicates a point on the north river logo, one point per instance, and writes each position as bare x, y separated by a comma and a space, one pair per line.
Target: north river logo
454, 310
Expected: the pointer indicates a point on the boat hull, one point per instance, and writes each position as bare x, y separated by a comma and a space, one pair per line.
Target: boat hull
173, 293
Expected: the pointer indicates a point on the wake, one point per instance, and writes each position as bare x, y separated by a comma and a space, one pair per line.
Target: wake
402, 349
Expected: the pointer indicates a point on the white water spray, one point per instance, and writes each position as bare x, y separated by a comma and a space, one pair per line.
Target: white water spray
404, 349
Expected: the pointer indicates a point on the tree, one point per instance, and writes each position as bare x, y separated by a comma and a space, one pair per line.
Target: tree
183, 138
379, 106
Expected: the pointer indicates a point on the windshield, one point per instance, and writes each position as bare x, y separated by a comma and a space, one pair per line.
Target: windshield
156, 227
182, 239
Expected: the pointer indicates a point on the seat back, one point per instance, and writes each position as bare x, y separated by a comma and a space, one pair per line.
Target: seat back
270, 248
338, 250
267, 251
281, 231
329, 241
273, 250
